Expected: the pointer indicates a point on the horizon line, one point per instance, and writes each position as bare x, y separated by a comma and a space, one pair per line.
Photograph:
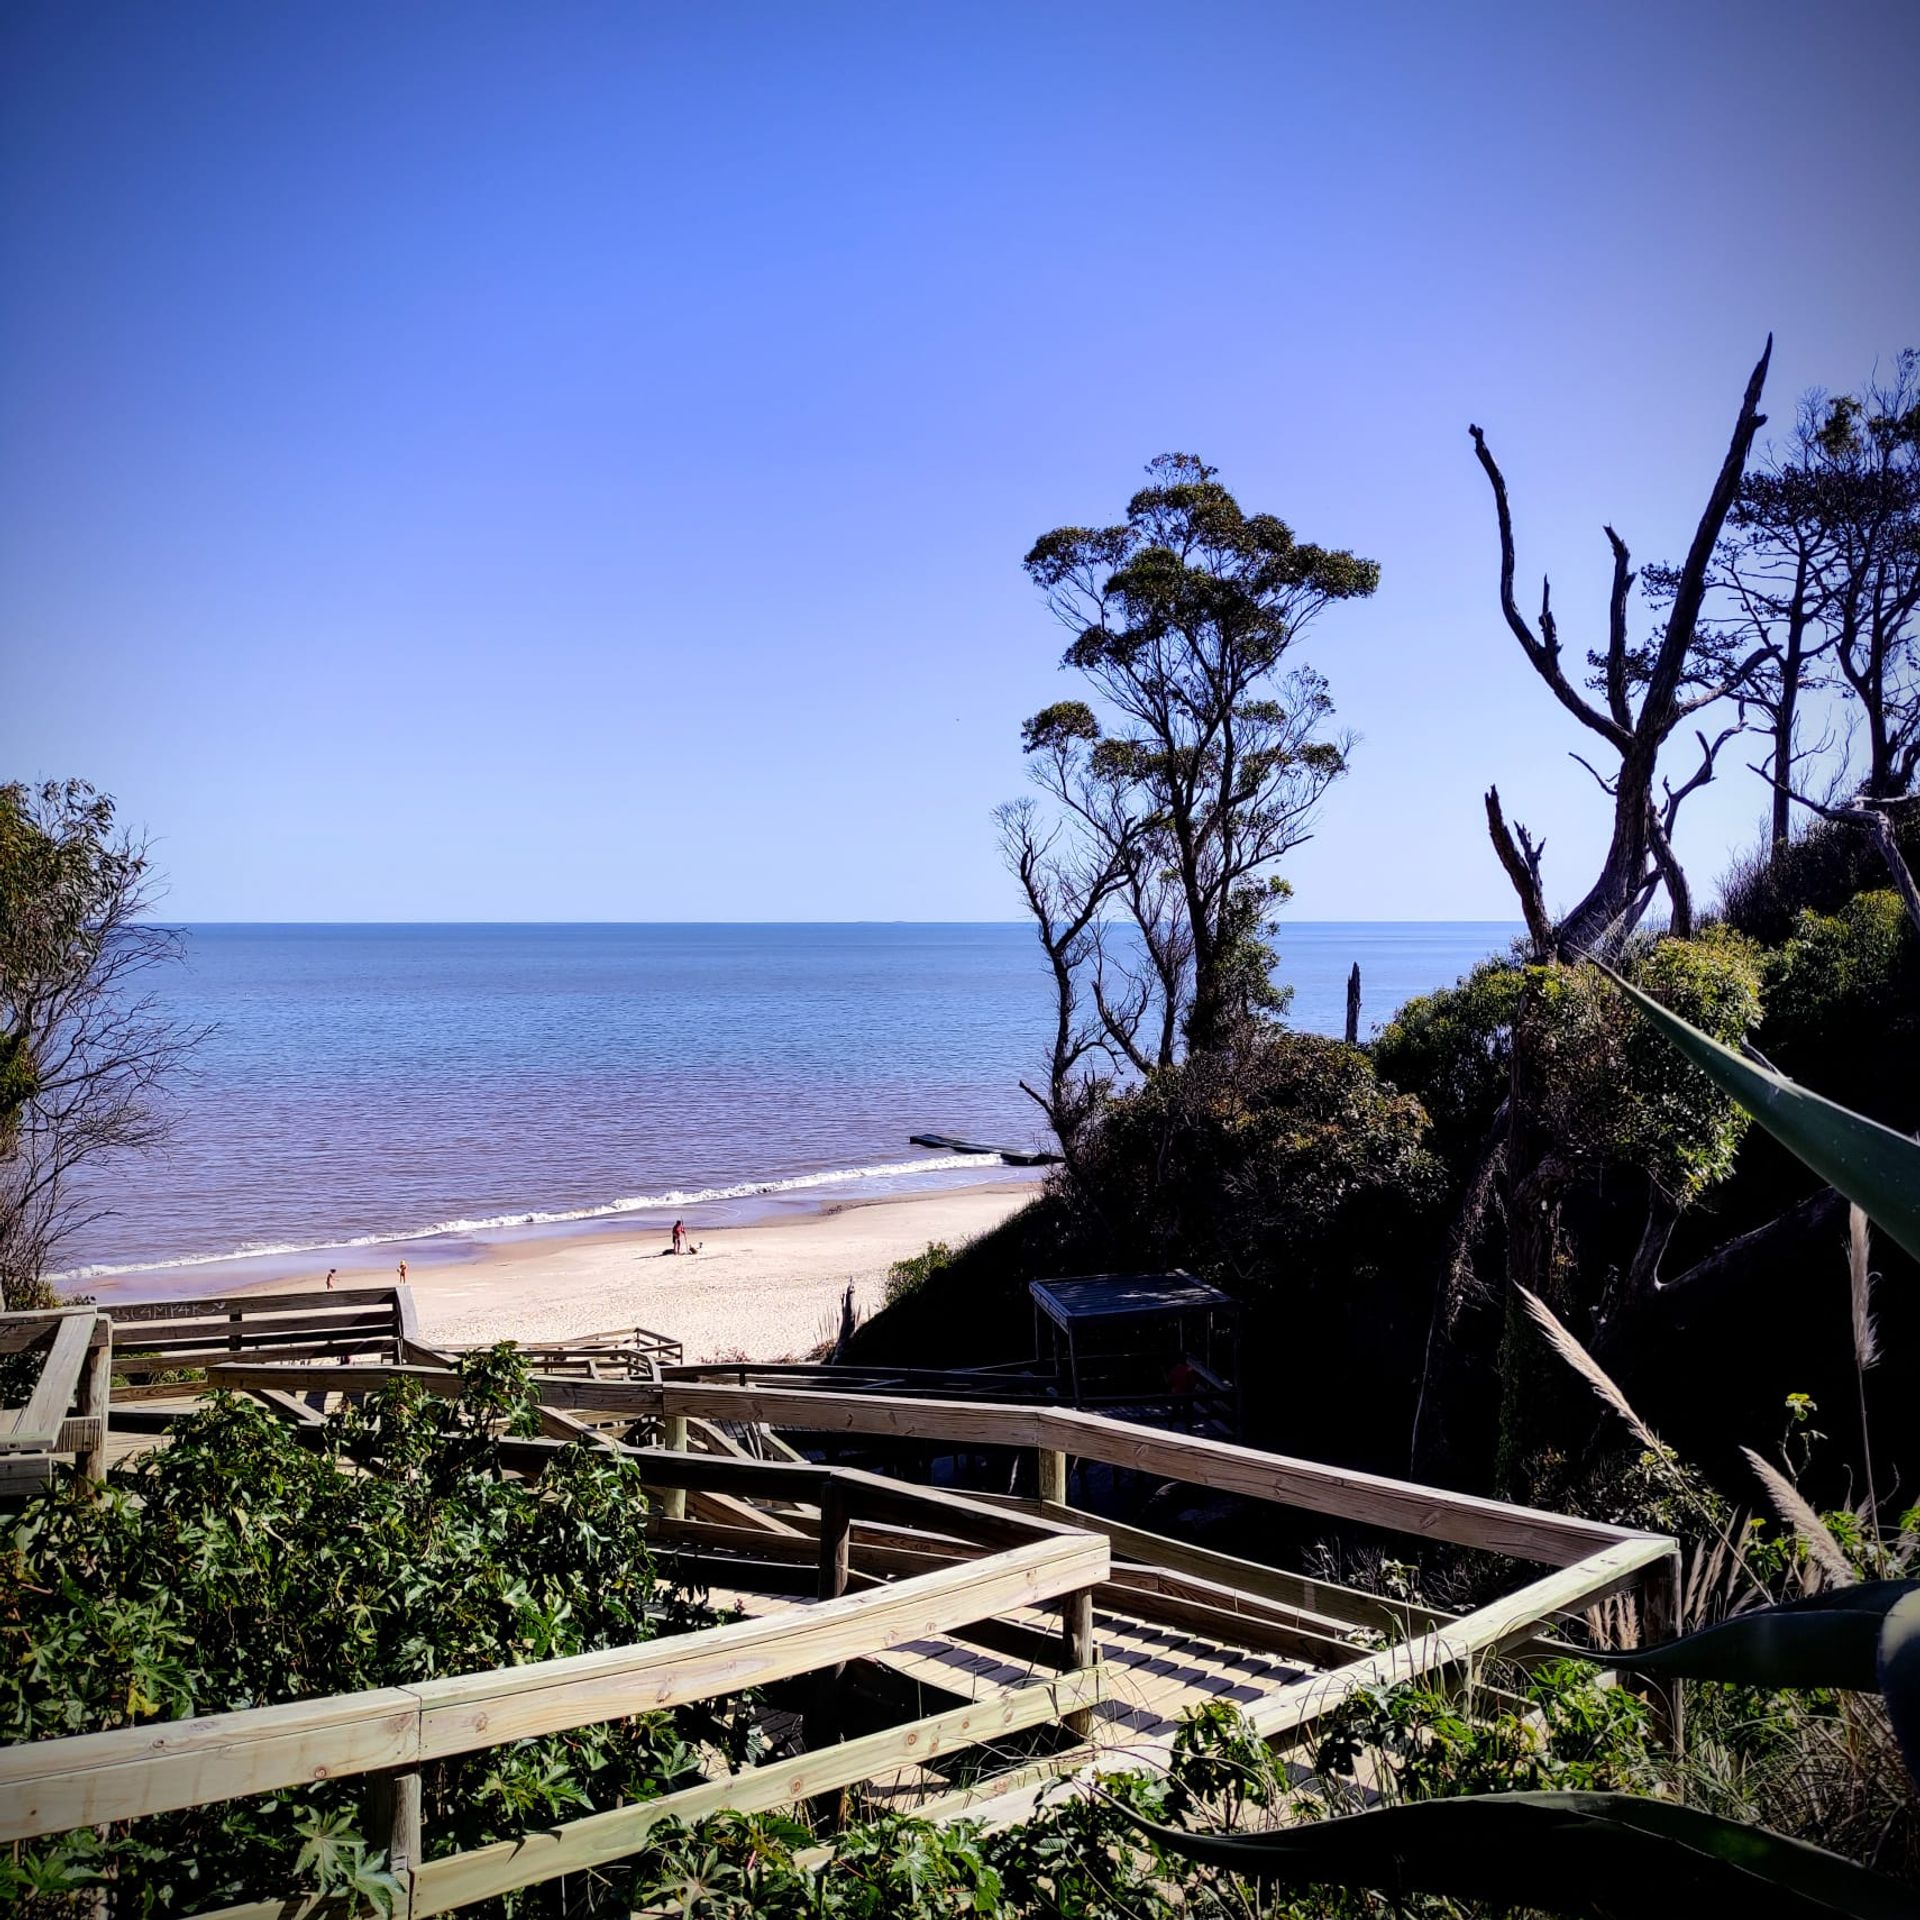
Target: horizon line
864, 921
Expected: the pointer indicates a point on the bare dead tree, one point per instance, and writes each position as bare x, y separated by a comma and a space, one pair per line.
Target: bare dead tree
1858, 464
1875, 818
1065, 892
1639, 854
85, 1046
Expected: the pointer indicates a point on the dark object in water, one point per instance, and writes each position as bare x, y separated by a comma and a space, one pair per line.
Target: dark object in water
1013, 1156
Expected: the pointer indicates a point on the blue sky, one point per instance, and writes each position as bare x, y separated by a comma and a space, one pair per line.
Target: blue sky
573, 462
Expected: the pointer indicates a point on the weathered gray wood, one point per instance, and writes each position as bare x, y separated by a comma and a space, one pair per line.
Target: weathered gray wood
1051, 1472
175, 1336
394, 1819
96, 1403
36, 1427
1662, 1610
1081, 1651
256, 1306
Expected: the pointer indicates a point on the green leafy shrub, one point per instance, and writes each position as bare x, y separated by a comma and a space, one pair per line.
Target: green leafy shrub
235, 1568
1271, 1158
908, 1276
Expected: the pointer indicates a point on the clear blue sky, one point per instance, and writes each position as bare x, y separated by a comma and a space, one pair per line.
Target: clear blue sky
468, 460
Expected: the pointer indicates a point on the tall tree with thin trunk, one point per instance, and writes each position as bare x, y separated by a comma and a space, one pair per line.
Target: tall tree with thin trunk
1176, 791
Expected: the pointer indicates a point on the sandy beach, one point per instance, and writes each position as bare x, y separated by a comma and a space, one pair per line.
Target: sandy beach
768, 1291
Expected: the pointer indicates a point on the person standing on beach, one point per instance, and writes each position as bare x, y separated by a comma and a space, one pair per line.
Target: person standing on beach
679, 1236
403, 1273
331, 1271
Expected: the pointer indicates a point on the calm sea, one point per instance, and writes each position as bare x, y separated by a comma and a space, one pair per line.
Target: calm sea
379, 1084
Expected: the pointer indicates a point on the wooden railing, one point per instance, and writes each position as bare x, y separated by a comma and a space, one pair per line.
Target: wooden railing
886, 1563
160, 1337
75, 1368
389, 1733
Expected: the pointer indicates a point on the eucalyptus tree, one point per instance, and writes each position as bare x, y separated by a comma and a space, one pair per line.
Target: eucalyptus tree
1197, 762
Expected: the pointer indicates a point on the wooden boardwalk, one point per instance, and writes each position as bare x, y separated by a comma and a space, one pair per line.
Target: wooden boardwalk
989, 1644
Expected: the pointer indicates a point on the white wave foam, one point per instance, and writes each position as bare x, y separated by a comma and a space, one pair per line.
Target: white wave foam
631, 1203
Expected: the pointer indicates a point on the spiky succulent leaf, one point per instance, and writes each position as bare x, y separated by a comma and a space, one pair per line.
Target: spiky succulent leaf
1830, 1639
1874, 1167
1605, 1855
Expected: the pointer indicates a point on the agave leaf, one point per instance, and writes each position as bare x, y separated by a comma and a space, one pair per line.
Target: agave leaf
1594, 1854
1900, 1677
1830, 1639
1874, 1167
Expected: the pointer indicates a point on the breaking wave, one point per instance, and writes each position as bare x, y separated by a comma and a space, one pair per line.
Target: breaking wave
567, 1216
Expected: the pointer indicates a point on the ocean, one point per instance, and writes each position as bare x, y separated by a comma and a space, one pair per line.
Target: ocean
427, 1084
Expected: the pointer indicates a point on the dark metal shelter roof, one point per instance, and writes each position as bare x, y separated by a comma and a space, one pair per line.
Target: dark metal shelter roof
1123, 1296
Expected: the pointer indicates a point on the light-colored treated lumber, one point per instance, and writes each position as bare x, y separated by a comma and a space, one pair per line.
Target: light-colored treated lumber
96, 1402
1398, 1506
50, 1786
36, 1427
486, 1709
125, 1774
1080, 1652
1395, 1505
674, 1440
1323, 1598
602, 1838
1239, 1626
1490, 1630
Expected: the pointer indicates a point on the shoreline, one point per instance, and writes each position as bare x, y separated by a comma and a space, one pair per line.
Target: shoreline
763, 1290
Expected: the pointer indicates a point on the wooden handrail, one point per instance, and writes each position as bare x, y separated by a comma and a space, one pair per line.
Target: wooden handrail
1036, 1555
51, 1786
1397, 1506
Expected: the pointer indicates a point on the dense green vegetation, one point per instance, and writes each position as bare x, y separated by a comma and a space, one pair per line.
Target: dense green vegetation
237, 1568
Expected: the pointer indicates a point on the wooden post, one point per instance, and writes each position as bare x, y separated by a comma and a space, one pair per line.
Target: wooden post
393, 1815
1661, 1601
836, 1541
96, 1400
674, 1439
1080, 1652
1052, 1475
825, 1726
1353, 1006
235, 1320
